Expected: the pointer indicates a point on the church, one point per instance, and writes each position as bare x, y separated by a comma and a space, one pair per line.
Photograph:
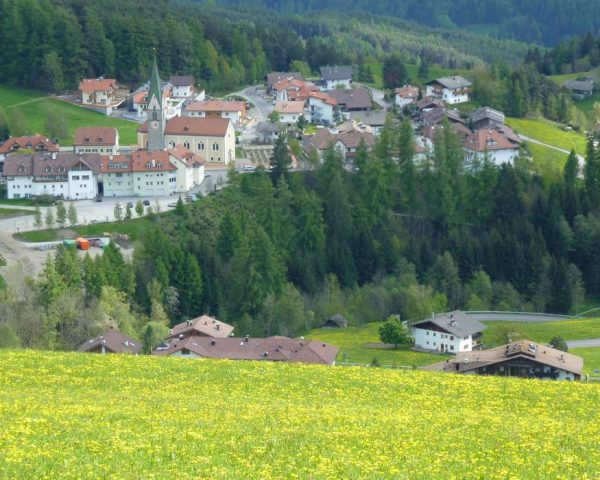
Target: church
157, 168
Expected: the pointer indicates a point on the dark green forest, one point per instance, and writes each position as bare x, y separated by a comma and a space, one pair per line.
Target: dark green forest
579, 54
534, 21
53, 44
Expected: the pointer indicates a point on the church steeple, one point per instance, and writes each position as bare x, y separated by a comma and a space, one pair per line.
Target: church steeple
155, 115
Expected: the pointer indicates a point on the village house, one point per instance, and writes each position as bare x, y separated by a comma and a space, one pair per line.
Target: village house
275, 349
33, 143
347, 143
524, 359
486, 117
336, 77
182, 86
290, 89
71, 176
202, 326
172, 105
427, 104
451, 90
275, 77
322, 108
289, 112
103, 140
111, 341
406, 95
352, 100
374, 119
451, 332
494, 144
98, 91
151, 173
233, 110
211, 138
268, 132
580, 88
438, 115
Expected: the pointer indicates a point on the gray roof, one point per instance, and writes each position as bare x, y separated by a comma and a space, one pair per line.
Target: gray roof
487, 112
372, 118
337, 73
453, 82
181, 80
580, 85
352, 98
456, 323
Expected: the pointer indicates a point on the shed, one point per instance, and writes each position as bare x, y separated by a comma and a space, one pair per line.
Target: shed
337, 321
83, 243
69, 244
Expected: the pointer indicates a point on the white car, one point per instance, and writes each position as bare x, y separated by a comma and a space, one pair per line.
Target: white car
248, 168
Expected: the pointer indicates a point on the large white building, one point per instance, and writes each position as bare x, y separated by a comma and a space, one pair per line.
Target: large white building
451, 90
451, 332
322, 108
71, 176
500, 145
229, 109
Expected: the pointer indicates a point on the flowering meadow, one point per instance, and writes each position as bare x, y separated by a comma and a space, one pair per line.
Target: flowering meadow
69, 415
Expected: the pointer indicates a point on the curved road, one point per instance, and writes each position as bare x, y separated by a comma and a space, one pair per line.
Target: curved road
525, 317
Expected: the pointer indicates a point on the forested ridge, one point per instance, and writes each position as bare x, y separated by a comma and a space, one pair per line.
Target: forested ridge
53, 44
534, 21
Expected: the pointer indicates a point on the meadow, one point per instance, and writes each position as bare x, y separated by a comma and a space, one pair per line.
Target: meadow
549, 133
35, 107
83, 416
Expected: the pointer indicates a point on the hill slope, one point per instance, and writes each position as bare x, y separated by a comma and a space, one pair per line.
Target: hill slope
89, 416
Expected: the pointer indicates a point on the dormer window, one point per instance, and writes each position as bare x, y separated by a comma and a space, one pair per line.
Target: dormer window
48, 169
61, 168
22, 168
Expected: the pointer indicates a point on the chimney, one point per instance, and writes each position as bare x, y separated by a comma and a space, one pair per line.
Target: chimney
213, 342
218, 327
247, 338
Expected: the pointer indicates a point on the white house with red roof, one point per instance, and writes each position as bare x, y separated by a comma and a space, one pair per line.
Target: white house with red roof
495, 144
103, 140
322, 108
406, 95
233, 110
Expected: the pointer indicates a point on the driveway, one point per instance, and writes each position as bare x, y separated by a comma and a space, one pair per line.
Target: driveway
590, 343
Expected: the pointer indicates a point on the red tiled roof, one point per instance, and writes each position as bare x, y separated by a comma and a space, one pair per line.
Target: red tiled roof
407, 91
195, 126
486, 140
95, 136
275, 348
353, 138
34, 142
324, 97
289, 107
186, 156
138, 161
91, 85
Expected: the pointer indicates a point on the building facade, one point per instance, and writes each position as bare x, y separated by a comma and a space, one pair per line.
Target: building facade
451, 332
102, 140
451, 90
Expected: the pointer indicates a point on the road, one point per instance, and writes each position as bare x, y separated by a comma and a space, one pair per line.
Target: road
593, 342
525, 317
553, 147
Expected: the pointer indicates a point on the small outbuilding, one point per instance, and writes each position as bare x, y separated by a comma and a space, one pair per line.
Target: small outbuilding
337, 321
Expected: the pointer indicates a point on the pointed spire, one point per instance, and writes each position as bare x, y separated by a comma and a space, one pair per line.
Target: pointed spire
155, 82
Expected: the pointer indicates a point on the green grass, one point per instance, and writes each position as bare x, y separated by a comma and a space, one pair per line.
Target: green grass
85, 416
591, 359
413, 73
135, 228
18, 202
352, 342
13, 212
549, 163
549, 132
36, 113
579, 329
560, 79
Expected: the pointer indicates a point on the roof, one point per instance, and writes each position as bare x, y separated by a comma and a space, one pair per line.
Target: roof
276, 348
182, 80
337, 72
428, 102
323, 97
452, 82
138, 161
580, 85
407, 91
186, 156
49, 164
194, 126
274, 77
34, 142
353, 138
114, 341
154, 90
95, 136
432, 130
437, 114
202, 325
352, 98
489, 139
455, 323
374, 118
338, 320
289, 107
483, 113
91, 85
216, 106
467, 361
320, 140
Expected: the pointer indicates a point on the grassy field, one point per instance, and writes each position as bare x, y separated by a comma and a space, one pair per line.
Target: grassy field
546, 161
13, 212
560, 79
549, 132
83, 416
353, 343
413, 73
542, 332
591, 359
35, 107
135, 228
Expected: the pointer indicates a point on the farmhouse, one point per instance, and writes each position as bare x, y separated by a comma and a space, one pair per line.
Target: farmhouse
494, 144
524, 358
437, 115
580, 88
450, 89
352, 100
98, 91
111, 341
232, 110
274, 77
275, 349
34, 143
289, 112
451, 332
486, 117
406, 95
182, 86
203, 326
103, 140
71, 176
335, 76
347, 143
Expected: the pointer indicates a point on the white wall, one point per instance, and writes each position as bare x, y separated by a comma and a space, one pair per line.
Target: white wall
320, 111
402, 102
82, 185
452, 98
332, 84
118, 184
498, 157
289, 117
182, 92
432, 340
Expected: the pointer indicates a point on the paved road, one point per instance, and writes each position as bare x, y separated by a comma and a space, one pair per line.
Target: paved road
593, 342
518, 317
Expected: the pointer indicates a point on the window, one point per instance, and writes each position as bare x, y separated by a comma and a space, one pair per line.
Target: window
75, 177
451, 337
451, 347
215, 147
427, 332
119, 175
201, 146
85, 177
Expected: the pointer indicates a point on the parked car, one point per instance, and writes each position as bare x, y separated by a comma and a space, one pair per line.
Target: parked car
146, 202
171, 205
248, 168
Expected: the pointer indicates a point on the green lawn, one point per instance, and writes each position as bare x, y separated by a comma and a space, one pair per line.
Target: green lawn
13, 212
36, 112
413, 73
591, 359
352, 342
579, 329
18, 202
560, 79
549, 163
548, 132
135, 228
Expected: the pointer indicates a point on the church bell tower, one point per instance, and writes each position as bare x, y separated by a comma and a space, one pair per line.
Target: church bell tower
155, 115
